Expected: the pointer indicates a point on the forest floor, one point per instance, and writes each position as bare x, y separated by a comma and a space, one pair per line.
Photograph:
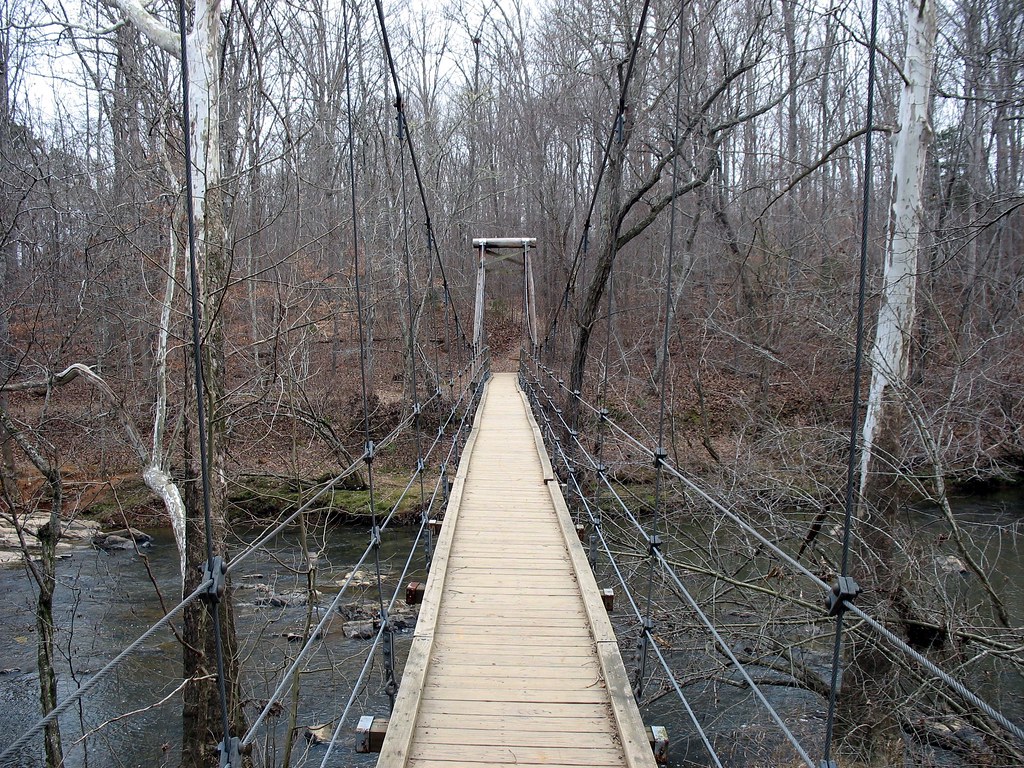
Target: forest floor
735, 415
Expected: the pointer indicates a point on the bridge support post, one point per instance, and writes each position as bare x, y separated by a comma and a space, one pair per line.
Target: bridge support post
478, 307
370, 733
499, 247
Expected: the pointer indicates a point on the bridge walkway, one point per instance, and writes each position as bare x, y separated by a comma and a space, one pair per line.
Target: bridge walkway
514, 660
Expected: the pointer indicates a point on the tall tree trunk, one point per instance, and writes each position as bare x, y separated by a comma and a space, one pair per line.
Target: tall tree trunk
201, 713
44, 572
8, 212
605, 261
869, 715
46, 640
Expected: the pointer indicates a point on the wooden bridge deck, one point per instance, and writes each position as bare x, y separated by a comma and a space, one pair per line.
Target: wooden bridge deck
514, 661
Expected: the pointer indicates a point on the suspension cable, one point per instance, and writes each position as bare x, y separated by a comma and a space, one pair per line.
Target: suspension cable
381, 633
212, 565
666, 567
796, 565
319, 631
852, 450
400, 108
660, 452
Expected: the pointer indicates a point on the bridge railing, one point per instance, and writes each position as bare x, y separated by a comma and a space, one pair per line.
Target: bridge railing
461, 391
613, 518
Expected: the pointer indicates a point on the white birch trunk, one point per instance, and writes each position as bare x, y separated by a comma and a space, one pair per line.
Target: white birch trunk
204, 131
204, 103
155, 473
890, 353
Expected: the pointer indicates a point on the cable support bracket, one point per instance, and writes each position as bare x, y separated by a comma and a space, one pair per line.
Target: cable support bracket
416, 409
230, 757
375, 539
401, 119
420, 464
846, 589
601, 468
660, 454
370, 452
215, 572
603, 414
653, 543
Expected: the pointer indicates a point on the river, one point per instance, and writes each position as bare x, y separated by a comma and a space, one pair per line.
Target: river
105, 600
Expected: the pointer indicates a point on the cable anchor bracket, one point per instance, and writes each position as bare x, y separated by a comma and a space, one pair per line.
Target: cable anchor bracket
230, 756
215, 572
846, 589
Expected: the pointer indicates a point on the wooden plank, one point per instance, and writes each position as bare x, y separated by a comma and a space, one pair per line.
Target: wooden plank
581, 668
495, 645
627, 717
511, 653
586, 670
499, 755
519, 710
498, 682
517, 588
527, 646
562, 609
466, 735
524, 694
538, 725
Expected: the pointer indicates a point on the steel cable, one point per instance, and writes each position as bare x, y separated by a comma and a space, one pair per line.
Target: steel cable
889, 636
317, 634
852, 452
400, 108
213, 598
97, 678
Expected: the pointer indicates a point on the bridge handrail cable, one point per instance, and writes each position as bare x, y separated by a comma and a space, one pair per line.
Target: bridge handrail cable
596, 523
897, 642
317, 634
655, 551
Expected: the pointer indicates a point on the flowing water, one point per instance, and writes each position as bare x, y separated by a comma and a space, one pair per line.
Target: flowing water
105, 600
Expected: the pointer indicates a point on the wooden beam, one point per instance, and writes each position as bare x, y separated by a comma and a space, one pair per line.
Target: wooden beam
504, 242
370, 734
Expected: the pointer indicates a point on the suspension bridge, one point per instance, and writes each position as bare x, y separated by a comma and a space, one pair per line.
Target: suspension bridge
514, 659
